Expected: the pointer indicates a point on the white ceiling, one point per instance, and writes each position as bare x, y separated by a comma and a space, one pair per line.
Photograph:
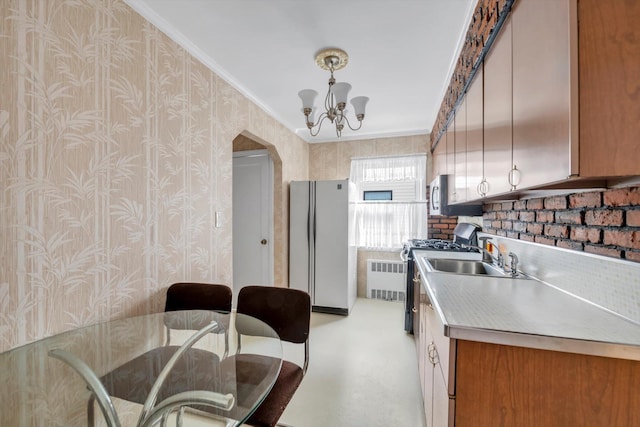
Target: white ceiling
401, 53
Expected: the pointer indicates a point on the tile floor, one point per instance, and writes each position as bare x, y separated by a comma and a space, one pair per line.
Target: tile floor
362, 371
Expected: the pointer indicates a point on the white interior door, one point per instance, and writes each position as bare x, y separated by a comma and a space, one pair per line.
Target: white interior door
252, 219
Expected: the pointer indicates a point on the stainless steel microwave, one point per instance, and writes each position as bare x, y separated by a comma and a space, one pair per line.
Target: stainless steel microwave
438, 200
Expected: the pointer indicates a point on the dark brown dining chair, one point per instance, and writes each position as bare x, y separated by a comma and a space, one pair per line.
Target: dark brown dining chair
288, 312
133, 380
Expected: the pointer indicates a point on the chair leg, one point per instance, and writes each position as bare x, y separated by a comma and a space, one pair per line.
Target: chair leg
179, 416
90, 414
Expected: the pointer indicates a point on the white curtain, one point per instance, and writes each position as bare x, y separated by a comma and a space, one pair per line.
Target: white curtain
386, 224
378, 169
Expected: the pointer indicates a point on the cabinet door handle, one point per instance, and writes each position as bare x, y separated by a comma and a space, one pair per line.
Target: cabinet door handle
430, 349
415, 310
483, 187
514, 177
432, 352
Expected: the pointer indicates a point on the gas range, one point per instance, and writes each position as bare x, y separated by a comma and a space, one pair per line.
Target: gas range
438, 248
438, 245
465, 234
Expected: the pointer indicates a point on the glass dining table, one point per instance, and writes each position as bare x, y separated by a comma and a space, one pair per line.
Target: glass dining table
171, 367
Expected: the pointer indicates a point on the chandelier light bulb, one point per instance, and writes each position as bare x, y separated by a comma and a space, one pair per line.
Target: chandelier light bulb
308, 97
340, 92
359, 104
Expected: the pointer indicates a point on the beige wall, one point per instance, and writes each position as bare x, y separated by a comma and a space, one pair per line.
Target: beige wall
115, 154
242, 143
333, 161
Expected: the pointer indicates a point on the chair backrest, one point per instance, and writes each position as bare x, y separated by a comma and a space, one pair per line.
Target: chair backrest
287, 311
198, 296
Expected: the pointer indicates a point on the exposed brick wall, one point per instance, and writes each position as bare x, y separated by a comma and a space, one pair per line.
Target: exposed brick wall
484, 23
440, 226
602, 222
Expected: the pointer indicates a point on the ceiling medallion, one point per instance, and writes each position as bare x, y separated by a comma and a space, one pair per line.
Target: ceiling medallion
337, 58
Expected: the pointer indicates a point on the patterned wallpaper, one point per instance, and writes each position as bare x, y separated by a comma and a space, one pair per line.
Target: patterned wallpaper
115, 154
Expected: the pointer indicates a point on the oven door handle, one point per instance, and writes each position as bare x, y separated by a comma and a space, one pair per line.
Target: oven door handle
435, 190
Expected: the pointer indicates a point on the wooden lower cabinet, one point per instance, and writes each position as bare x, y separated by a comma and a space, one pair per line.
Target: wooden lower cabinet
498, 385
476, 384
434, 361
440, 399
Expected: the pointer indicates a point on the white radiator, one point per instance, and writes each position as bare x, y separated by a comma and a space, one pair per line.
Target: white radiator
386, 280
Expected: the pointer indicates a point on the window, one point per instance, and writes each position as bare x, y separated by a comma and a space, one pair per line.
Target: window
377, 195
389, 199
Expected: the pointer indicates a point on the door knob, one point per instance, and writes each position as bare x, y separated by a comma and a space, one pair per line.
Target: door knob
263, 241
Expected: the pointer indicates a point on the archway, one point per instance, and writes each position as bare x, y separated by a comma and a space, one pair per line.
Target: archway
247, 142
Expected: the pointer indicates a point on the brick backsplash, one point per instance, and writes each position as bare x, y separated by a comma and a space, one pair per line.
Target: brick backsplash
441, 227
600, 222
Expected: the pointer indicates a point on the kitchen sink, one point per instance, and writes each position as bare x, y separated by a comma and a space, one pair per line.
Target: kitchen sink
460, 266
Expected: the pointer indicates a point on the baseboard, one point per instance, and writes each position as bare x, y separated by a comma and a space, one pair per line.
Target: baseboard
330, 310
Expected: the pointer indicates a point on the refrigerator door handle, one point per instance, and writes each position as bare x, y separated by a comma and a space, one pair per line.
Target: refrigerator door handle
314, 228
311, 233
310, 230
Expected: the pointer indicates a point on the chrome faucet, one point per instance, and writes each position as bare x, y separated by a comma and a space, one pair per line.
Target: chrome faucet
488, 256
514, 264
500, 259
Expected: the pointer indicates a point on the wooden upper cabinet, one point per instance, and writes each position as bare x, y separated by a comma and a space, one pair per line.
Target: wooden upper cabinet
451, 144
497, 113
451, 160
544, 147
439, 161
560, 99
609, 69
459, 183
474, 171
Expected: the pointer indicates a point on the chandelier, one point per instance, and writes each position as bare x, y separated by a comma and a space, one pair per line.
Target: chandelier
336, 99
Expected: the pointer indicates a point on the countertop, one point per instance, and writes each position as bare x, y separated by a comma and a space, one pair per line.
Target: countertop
526, 313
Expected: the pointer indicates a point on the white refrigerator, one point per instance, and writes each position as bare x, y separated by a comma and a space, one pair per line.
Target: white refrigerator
321, 259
